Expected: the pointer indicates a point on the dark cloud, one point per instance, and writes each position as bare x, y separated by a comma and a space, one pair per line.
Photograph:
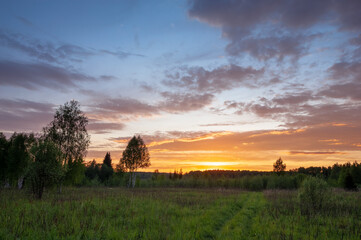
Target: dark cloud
177, 102
216, 80
37, 75
24, 115
295, 98
348, 90
128, 107
306, 108
287, 13
118, 106
346, 71
272, 29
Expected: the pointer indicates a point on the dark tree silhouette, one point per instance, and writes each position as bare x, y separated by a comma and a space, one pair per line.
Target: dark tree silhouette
135, 156
106, 170
348, 182
278, 166
4, 162
107, 160
92, 170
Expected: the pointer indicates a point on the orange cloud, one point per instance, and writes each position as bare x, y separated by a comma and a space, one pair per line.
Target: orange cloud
314, 153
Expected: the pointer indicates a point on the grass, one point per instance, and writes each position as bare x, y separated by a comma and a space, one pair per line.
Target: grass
169, 213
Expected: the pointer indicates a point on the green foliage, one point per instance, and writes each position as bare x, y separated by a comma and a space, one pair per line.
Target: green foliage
19, 156
135, 156
75, 173
4, 161
346, 180
105, 173
68, 131
92, 170
45, 168
312, 195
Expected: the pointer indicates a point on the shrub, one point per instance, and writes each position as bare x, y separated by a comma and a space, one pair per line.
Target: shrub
346, 180
312, 195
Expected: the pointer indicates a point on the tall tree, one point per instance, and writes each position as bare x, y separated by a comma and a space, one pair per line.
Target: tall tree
108, 160
45, 167
19, 156
135, 156
106, 171
4, 160
279, 166
68, 132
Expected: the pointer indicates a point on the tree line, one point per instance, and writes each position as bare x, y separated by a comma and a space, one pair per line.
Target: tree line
55, 156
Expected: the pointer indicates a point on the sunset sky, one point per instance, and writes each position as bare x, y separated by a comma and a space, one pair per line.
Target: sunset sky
207, 84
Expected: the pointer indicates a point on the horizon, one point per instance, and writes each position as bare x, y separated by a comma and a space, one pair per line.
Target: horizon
232, 85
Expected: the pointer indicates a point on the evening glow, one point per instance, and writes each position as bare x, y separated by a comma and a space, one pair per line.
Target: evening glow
207, 84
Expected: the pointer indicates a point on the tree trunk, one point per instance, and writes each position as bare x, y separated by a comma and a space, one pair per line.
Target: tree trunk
134, 179
21, 182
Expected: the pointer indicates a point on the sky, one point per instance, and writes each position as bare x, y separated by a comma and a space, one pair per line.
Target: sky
207, 84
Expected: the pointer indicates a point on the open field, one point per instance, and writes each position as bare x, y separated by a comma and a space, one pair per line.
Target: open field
161, 213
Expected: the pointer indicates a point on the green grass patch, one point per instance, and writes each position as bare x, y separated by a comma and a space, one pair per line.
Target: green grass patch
170, 213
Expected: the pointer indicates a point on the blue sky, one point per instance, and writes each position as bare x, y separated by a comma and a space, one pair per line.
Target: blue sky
226, 84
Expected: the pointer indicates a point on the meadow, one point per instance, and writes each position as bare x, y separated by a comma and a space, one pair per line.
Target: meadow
175, 213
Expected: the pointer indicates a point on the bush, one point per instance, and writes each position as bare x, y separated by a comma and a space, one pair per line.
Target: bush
346, 180
312, 195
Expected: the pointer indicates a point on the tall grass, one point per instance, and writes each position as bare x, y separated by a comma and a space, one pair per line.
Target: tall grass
175, 213
251, 183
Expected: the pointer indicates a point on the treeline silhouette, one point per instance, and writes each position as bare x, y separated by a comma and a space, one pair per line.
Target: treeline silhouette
346, 176
15, 157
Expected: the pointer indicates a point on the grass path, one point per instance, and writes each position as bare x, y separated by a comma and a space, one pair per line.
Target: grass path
244, 224
229, 218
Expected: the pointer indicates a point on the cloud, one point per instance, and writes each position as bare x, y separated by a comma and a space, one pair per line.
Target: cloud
36, 75
104, 127
25, 21
307, 108
160, 138
214, 81
347, 90
120, 54
315, 153
129, 107
113, 107
346, 71
266, 30
177, 102
307, 140
51, 52
265, 48
24, 115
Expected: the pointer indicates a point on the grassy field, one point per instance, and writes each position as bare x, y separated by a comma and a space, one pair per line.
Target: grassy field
158, 213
